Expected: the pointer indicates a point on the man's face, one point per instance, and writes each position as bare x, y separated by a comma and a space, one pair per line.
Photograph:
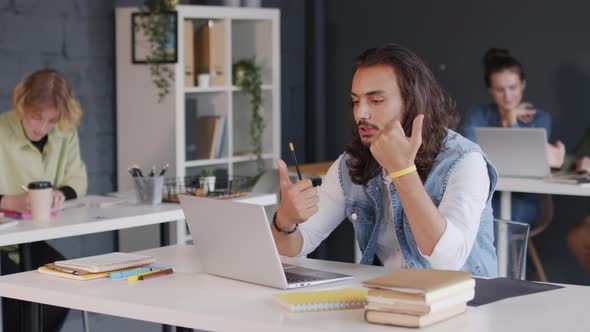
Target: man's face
376, 100
506, 89
39, 122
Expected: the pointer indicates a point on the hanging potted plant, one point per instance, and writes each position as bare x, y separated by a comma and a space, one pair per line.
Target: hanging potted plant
157, 22
246, 75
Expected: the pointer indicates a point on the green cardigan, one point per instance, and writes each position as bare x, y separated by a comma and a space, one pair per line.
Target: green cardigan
21, 162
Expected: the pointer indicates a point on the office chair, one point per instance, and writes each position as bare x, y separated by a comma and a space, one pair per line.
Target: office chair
517, 235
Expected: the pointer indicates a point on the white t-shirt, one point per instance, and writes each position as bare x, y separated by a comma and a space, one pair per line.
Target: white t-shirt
463, 202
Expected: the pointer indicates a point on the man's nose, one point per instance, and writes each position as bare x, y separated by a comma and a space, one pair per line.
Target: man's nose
363, 111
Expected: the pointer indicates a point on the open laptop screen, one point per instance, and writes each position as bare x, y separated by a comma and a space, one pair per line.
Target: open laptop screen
518, 152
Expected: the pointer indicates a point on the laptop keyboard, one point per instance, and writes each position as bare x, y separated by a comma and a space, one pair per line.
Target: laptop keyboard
295, 278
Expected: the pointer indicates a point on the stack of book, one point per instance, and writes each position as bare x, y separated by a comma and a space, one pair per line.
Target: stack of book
418, 298
95, 267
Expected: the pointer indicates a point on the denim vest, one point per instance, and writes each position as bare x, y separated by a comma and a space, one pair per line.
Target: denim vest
365, 201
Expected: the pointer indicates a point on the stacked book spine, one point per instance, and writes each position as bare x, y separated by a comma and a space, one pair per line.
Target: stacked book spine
429, 298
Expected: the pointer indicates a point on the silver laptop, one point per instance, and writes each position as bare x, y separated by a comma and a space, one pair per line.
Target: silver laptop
517, 152
234, 240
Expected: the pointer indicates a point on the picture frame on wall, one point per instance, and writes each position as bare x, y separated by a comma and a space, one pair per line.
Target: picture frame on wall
149, 44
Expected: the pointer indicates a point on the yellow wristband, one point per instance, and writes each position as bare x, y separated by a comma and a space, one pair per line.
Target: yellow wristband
402, 172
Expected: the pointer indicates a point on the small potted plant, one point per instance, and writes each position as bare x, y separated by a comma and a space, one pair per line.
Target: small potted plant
207, 179
203, 77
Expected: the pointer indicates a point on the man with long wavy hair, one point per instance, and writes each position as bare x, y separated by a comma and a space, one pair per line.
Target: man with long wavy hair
417, 193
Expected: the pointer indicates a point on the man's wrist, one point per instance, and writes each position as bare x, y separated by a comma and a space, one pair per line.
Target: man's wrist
285, 230
403, 181
281, 220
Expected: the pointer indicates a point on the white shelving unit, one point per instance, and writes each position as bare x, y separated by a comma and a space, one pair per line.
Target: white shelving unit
155, 133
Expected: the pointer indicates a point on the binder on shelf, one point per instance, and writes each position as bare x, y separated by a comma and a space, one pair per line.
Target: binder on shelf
207, 136
220, 137
190, 129
189, 56
337, 299
209, 50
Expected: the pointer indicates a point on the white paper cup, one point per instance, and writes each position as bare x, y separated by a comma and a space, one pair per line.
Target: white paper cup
41, 197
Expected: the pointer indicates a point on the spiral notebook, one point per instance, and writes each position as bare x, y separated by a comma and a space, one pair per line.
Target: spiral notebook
337, 299
107, 262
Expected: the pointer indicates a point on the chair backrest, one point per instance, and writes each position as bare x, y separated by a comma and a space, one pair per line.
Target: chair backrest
511, 247
546, 217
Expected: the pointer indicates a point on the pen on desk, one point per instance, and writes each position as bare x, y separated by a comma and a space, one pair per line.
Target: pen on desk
63, 269
292, 148
24, 188
160, 266
136, 277
156, 274
164, 169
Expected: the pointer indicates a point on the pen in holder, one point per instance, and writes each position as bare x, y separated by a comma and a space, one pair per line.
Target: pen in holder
149, 189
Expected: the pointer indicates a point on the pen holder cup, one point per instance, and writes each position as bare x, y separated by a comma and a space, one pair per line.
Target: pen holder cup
149, 189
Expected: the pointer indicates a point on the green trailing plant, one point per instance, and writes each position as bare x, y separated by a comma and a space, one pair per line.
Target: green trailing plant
246, 75
156, 25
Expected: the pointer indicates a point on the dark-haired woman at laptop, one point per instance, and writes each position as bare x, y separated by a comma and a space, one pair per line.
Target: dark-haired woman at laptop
505, 79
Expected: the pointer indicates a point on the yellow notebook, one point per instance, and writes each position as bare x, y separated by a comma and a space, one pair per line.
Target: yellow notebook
57, 273
337, 299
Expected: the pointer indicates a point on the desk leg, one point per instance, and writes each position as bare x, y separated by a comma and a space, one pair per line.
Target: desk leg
165, 234
32, 317
165, 241
183, 329
502, 242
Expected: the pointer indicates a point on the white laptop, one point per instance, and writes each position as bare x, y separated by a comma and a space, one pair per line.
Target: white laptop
517, 152
234, 240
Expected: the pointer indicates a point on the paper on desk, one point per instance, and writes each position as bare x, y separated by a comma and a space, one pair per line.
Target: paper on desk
7, 222
496, 289
96, 201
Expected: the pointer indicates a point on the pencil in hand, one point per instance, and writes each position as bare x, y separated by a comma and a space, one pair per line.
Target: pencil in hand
292, 148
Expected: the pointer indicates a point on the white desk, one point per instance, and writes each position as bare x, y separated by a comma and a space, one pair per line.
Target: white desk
192, 299
81, 220
508, 185
86, 220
